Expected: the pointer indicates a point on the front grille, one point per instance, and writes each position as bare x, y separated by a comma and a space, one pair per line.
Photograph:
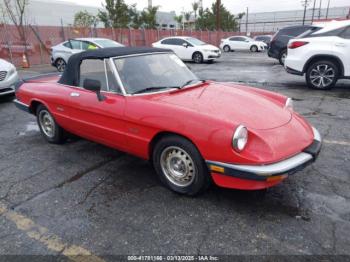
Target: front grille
2, 75
217, 51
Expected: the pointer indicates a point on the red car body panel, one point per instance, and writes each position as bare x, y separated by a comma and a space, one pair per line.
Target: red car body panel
206, 114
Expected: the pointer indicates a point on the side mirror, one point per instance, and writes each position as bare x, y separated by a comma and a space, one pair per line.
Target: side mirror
94, 86
185, 45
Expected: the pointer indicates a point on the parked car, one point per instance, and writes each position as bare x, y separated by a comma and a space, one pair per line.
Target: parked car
264, 38
279, 42
61, 52
145, 101
242, 43
190, 49
8, 77
323, 55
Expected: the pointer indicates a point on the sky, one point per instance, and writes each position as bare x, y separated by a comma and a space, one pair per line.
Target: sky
235, 6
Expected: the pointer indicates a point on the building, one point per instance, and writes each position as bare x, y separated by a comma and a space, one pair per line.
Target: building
58, 13
272, 21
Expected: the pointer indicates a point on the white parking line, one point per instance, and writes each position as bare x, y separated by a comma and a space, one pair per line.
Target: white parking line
334, 142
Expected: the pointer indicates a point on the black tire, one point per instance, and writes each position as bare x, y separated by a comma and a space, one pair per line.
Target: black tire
178, 147
254, 48
58, 134
329, 74
60, 64
282, 57
197, 58
227, 49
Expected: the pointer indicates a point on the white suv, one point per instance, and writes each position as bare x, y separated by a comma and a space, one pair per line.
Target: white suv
322, 54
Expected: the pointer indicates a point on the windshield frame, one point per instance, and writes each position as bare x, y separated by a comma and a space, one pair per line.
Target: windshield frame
120, 82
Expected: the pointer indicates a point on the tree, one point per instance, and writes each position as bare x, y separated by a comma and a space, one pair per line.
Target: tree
195, 7
84, 19
117, 14
136, 21
15, 11
207, 19
149, 17
179, 19
188, 18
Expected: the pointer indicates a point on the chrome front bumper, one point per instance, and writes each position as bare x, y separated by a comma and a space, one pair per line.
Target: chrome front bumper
7, 86
262, 172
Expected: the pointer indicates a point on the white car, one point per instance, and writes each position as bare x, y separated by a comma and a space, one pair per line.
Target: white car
234, 43
190, 49
61, 52
321, 54
8, 78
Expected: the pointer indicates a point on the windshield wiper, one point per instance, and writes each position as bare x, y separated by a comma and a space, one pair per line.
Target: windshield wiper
153, 88
191, 81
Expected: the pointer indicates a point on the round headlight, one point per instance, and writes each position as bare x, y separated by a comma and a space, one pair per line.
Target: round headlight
240, 138
289, 104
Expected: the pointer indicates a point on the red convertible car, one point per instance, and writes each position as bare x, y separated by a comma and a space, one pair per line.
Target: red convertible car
146, 102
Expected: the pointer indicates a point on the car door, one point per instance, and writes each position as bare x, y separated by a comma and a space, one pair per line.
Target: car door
99, 121
185, 49
342, 47
234, 43
245, 43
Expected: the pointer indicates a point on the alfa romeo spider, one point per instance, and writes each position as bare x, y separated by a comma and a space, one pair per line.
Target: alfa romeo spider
146, 102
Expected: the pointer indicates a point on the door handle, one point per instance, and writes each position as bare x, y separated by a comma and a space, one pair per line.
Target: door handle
73, 94
340, 44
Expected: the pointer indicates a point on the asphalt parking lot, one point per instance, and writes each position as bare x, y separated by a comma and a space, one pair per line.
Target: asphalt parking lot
84, 198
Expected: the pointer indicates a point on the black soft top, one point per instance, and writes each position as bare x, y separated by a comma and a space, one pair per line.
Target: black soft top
70, 75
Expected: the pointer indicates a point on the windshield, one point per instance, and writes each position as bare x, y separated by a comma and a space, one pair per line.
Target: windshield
152, 71
195, 41
249, 39
107, 43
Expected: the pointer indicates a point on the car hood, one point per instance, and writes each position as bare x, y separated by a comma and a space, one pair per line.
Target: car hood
209, 47
5, 66
230, 104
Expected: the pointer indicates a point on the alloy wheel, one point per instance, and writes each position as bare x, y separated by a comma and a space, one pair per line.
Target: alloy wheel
61, 65
322, 76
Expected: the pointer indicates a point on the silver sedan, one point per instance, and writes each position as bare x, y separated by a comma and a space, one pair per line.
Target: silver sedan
8, 78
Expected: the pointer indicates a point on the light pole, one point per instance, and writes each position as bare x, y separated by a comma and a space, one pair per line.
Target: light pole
327, 9
305, 3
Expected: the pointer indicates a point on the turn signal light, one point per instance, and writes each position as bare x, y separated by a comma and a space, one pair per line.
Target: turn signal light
297, 44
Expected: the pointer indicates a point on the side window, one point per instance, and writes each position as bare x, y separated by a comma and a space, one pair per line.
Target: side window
93, 69
111, 80
181, 42
67, 44
234, 39
168, 42
76, 44
88, 45
346, 33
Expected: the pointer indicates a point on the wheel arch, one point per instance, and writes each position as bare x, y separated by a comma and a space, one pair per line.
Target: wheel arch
157, 137
59, 57
331, 58
33, 106
197, 51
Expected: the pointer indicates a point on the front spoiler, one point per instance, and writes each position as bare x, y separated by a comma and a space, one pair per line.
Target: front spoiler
265, 172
